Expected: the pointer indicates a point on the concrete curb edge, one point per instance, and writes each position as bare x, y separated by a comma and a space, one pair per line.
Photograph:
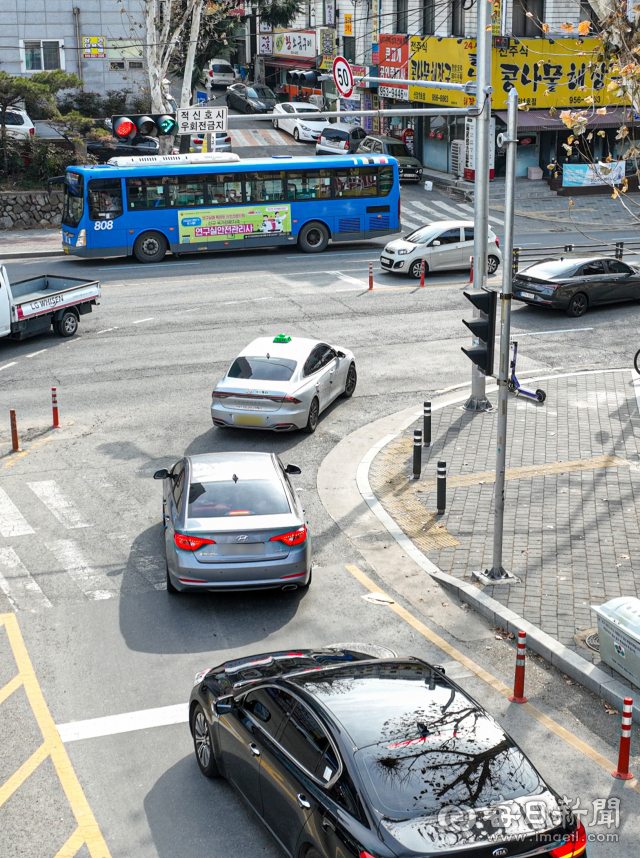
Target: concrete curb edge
593, 678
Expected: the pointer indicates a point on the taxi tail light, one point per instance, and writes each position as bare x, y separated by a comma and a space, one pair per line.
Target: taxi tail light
573, 846
191, 543
294, 537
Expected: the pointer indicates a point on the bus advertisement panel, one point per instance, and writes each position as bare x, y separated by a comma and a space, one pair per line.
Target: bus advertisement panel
237, 223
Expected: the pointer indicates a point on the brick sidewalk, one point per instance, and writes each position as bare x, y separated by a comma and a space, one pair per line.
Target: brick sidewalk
571, 530
30, 242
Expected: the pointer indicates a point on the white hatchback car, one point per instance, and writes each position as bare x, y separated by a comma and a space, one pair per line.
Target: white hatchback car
444, 245
18, 123
296, 117
282, 383
220, 73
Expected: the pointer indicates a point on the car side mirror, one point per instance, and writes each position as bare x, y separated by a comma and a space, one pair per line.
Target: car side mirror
162, 474
341, 355
435, 243
224, 705
292, 469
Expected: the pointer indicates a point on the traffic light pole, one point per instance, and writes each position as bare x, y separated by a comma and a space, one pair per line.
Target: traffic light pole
497, 571
478, 400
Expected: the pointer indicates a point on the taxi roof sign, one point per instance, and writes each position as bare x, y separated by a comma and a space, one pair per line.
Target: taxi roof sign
282, 338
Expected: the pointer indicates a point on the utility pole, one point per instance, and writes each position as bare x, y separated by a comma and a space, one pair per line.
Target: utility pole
497, 571
478, 400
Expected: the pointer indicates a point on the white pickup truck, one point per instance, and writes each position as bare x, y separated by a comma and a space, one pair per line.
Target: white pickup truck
32, 306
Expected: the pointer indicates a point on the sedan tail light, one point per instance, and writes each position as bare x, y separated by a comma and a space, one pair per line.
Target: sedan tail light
294, 537
227, 139
346, 144
497, 242
573, 846
191, 543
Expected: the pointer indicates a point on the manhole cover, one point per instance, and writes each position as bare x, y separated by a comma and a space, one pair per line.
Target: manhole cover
593, 642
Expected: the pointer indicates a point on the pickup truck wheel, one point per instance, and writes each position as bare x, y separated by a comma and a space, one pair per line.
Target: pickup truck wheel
67, 325
150, 247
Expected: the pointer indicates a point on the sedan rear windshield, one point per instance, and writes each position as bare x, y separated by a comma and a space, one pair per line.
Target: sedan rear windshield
262, 368
232, 498
551, 269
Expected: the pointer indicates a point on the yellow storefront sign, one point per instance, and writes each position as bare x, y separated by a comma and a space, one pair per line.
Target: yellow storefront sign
564, 73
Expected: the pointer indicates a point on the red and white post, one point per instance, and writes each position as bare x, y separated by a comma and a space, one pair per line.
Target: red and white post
422, 267
54, 404
518, 685
370, 276
622, 772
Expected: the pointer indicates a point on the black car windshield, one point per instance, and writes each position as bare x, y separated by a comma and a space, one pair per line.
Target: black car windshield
423, 235
398, 150
552, 269
262, 368
231, 498
260, 92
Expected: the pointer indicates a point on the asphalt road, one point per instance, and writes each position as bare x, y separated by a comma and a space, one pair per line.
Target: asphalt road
84, 514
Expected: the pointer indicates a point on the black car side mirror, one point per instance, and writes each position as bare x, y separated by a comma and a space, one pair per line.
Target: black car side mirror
341, 354
292, 469
162, 474
223, 705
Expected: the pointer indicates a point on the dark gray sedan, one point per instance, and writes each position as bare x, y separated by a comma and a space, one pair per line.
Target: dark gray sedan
575, 284
232, 521
251, 98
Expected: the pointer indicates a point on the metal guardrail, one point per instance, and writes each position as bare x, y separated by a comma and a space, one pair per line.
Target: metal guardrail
617, 250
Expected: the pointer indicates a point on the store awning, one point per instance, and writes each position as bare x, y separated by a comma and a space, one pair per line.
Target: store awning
290, 63
540, 120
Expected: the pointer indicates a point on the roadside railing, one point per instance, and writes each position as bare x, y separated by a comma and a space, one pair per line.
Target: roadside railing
616, 250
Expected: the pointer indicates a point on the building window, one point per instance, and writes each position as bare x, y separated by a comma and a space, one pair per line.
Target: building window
428, 17
42, 55
588, 13
349, 48
523, 25
402, 16
457, 17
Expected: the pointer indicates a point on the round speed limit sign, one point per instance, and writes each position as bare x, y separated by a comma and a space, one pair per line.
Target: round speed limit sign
343, 77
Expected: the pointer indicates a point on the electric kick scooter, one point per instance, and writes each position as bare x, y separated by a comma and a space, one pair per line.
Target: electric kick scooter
514, 386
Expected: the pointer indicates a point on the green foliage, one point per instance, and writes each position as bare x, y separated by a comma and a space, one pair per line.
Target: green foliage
32, 161
96, 106
280, 13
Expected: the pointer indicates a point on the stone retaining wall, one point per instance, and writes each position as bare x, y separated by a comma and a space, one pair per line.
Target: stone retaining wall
30, 209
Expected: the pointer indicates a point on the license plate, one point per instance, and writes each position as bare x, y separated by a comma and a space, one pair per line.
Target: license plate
252, 549
251, 408
527, 295
386, 262
248, 419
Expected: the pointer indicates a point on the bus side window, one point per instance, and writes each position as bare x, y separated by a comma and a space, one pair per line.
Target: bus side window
146, 192
186, 192
355, 182
309, 185
264, 187
105, 199
385, 181
225, 190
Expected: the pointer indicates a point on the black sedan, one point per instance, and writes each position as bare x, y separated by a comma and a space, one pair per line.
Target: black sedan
251, 98
105, 148
341, 754
573, 284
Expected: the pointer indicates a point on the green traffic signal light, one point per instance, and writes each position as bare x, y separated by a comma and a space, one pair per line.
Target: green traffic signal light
167, 125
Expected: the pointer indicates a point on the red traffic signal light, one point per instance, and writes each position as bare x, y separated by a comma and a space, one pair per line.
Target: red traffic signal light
483, 327
123, 127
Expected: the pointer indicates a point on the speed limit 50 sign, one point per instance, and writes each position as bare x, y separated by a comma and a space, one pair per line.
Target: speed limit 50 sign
343, 77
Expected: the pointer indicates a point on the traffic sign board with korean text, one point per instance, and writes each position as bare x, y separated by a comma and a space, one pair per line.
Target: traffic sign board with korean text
201, 119
343, 77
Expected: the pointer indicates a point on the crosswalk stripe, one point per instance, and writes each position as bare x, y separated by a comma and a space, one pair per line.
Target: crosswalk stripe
60, 506
17, 584
421, 206
94, 585
450, 209
12, 522
495, 219
238, 139
466, 207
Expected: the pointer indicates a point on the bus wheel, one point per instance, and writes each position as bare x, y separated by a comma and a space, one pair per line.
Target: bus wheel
150, 247
313, 237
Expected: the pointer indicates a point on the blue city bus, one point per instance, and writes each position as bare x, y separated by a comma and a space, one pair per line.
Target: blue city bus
188, 203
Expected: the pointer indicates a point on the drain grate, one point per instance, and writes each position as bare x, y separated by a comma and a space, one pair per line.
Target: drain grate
593, 642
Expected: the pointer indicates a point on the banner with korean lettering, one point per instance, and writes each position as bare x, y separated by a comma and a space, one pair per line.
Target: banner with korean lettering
394, 58
562, 73
265, 45
375, 31
295, 44
94, 47
200, 226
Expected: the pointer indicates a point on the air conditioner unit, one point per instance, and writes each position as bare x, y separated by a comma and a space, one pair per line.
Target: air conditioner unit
458, 155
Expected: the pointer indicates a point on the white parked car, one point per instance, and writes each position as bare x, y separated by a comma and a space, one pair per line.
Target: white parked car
444, 245
18, 123
220, 73
282, 383
296, 117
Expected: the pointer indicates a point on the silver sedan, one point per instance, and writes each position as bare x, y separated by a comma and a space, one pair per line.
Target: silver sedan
282, 383
233, 521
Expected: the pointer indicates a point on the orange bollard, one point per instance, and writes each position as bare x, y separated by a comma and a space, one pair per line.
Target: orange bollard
518, 685
14, 432
371, 275
422, 273
622, 772
54, 403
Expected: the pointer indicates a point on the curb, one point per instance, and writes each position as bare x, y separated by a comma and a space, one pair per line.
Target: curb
31, 254
592, 677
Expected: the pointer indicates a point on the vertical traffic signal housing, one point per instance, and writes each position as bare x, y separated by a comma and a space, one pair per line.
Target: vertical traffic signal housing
145, 125
483, 327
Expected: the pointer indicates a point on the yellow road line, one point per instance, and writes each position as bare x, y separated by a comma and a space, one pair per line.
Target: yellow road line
19, 777
491, 680
71, 846
10, 687
53, 747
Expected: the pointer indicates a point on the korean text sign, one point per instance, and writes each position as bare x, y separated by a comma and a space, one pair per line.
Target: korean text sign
202, 119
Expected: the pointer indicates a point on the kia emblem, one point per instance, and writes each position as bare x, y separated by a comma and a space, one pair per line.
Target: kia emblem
500, 852
244, 539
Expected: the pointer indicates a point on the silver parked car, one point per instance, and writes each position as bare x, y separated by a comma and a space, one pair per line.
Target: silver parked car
232, 521
282, 383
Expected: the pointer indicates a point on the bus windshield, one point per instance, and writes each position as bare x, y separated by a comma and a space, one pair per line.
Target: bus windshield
73, 199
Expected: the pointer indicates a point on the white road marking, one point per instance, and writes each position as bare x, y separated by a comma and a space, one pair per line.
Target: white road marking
139, 321
7, 365
58, 504
18, 585
106, 330
336, 253
348, 279
450, 209
33, 354
420, 206
494, 219
561, 331
12, 522
94, 585
466, 207
127, 722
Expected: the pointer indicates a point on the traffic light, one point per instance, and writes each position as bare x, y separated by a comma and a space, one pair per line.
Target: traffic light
484, 328
303, 77
145, 125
